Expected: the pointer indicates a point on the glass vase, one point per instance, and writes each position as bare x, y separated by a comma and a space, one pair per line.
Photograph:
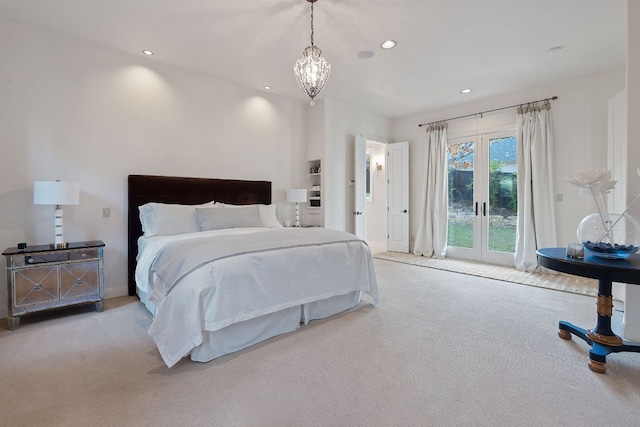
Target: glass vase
611, 236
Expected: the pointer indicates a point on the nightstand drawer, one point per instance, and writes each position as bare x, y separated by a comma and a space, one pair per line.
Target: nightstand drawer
84, 254
26, 260
33, 259
35, 285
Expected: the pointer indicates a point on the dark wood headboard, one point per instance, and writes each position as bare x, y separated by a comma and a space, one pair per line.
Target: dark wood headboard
185, 191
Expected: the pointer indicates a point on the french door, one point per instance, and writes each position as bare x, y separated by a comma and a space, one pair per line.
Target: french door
482, 211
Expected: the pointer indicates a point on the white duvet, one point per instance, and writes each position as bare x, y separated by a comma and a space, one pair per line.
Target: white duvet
209, 280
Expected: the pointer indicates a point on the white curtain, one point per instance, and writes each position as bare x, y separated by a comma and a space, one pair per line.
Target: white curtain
536, 205
431, 239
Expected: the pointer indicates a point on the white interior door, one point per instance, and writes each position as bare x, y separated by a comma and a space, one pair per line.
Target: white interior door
359, 157
398, 196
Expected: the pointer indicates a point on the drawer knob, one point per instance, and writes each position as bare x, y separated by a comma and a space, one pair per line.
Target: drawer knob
37, 287
79, 281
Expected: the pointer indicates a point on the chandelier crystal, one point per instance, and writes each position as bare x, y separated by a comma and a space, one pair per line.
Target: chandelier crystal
312, 71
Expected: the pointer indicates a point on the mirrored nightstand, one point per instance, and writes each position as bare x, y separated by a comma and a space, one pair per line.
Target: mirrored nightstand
42, 278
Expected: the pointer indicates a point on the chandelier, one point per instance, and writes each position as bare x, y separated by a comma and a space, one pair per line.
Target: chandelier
312, 71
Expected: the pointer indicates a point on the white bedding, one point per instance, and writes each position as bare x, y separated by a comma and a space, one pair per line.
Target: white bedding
277, 270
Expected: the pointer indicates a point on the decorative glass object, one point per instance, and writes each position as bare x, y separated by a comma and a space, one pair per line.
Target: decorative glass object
604, 234
617, 237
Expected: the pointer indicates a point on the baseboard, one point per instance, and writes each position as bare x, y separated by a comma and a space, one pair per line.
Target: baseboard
377, 246
120, 291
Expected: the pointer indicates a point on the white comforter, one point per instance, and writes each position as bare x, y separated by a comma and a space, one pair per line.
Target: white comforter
244, 274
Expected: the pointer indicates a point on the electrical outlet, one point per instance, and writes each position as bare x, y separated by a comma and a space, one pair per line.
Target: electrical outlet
106, 212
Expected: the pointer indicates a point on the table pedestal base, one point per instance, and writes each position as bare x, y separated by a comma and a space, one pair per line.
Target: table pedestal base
599, 350
601, 338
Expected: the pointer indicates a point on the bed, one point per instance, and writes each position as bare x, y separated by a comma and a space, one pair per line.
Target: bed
210, 261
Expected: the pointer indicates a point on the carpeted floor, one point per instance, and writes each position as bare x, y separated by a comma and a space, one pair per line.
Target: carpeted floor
552, 280
440, 349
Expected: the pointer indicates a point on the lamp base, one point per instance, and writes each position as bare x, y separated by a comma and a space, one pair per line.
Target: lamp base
59, 245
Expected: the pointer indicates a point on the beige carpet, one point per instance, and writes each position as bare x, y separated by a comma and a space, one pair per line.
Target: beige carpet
441, 349
551, 280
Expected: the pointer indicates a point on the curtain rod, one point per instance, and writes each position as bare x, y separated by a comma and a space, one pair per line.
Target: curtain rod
553, 98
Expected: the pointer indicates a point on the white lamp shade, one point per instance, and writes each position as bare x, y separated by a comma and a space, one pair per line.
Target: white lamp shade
297, 195
56, 193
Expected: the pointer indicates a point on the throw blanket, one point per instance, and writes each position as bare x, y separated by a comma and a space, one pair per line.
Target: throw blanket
242, 276
176, 261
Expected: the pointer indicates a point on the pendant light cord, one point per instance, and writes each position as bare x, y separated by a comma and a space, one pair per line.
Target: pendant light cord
311, 23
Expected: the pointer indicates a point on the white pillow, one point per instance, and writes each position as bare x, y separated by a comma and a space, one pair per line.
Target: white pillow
163, 219
218, 219
267, 213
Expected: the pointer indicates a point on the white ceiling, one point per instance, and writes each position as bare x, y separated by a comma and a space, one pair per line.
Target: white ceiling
492, 46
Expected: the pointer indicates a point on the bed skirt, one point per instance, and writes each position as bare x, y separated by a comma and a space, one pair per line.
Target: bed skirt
249, 332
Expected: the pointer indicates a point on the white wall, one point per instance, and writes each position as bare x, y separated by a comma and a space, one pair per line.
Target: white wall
342, 124
580, 123
314, 134
314, 130
631, 322
633, 105
74, 111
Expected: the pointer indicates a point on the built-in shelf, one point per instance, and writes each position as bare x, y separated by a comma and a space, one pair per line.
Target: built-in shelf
315, 181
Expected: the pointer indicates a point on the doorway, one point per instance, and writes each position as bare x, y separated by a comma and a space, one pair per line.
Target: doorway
381, 194
375, 211
482, 211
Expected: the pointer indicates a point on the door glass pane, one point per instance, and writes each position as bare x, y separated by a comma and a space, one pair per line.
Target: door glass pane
503, 197
461, 209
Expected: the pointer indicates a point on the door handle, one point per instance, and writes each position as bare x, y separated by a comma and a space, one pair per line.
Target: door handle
484, 208
357, 213
476, 208
404, 211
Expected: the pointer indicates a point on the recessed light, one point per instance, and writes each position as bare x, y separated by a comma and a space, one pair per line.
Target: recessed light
365, 54
466, 90
147, 52
267, 87
388, 44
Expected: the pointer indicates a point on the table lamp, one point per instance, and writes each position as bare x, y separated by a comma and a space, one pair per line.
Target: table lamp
56, 193
297, 195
